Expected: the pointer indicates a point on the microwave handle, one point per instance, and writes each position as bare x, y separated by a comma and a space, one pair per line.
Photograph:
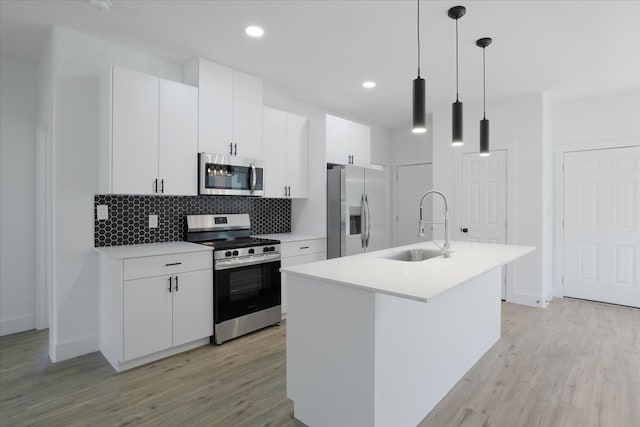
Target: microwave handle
254, 178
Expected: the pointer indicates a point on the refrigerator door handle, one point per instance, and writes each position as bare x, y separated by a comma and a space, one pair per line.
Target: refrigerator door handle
363, 216
366, 201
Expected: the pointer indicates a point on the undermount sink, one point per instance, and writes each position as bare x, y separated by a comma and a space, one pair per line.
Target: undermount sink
412, 255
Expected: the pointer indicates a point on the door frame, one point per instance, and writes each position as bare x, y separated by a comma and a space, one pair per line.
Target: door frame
558, 198
394, 218
457, 218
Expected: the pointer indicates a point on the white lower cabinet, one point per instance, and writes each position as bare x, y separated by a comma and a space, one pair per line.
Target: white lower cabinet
296, 253
147, 318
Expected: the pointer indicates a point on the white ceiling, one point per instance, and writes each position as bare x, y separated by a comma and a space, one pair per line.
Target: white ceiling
321, 51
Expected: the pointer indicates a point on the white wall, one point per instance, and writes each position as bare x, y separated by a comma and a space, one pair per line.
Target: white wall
408, 148
517, 125
18, 121
607, 118
80, 169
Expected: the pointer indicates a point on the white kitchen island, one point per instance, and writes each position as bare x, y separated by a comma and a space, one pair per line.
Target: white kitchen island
377, 342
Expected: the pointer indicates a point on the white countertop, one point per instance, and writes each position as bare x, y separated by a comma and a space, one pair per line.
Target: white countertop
418, 281
287, 237
151, 249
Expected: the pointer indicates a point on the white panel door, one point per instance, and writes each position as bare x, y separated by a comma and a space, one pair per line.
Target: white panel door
192, 306
147, 316
337, 140
484, 197
298, 155
484, 201
178, 139
247, 115
412, 182
215, 86
602, 225
274, 136
360, 144
134, 132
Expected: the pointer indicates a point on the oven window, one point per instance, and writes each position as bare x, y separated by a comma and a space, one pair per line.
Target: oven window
245, 283
245, 290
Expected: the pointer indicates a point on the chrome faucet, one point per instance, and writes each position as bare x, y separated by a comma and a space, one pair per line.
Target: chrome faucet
421, 223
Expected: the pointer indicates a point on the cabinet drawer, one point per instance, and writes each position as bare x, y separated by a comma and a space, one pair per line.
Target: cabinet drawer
303, 259
135, 268
303, 247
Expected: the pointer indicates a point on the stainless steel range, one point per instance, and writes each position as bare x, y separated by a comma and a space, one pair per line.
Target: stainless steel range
246, 276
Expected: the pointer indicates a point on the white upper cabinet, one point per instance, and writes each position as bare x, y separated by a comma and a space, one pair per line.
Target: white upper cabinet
286, 154
337, 139
134, 132
178, 139
215, 85
230, 109
347, 142
360, 144
247, 115
297, 156
274, 137
154, 135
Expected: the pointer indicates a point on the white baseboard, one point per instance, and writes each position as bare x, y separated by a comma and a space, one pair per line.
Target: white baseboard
527, 299
73, 348
17, 324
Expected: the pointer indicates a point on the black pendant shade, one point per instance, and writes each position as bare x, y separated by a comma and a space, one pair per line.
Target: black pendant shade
456, 124
456, 13
419, 108
484, 123
484, 137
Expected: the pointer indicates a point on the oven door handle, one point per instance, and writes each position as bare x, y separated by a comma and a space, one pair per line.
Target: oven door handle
231, 263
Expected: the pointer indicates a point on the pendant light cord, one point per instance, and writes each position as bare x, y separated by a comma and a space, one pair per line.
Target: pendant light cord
457, 61
484, 87
418, 38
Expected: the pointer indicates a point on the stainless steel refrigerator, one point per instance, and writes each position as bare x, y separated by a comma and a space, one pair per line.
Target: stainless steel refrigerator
357, 210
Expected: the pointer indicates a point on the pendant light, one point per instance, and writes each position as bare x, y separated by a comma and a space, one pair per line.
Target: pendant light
484, 123
456, 13
419, 111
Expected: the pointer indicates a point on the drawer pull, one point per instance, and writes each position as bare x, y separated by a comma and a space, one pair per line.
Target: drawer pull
173, 263
304, 247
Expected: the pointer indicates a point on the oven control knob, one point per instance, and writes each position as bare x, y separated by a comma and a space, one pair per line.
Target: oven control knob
228, 253
235, 253
265, 249
251, 251
272, 249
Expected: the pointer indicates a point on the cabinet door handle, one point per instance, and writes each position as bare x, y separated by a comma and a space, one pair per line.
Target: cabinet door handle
285, 191
162, 185
170, 283
304, 247
155, 185
289, 191
176, 283
173, 263
231, 148
235, 149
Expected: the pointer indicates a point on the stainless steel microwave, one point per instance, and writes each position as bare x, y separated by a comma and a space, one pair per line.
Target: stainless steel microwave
224, 175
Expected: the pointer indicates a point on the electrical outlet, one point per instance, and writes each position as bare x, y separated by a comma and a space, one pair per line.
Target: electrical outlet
102, 212
153, 221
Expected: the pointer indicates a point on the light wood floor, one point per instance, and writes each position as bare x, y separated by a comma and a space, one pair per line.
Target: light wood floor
574, 364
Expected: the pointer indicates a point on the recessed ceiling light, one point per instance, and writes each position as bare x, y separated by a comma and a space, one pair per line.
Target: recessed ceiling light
103, 5
254, 31
369, 84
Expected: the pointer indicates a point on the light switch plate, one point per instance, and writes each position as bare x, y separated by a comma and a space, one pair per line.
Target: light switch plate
153, 221
102, 212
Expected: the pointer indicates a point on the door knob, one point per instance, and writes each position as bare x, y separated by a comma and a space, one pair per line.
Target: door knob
464, 230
